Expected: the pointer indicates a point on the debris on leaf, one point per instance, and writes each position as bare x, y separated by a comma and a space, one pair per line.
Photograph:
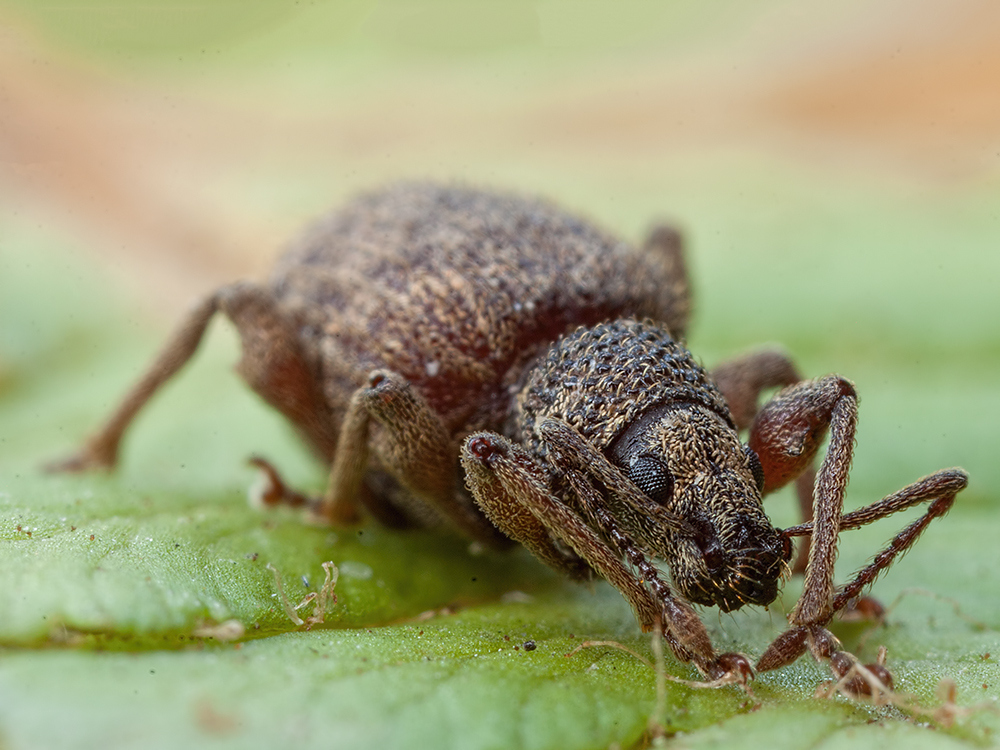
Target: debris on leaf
230, 630
322, 598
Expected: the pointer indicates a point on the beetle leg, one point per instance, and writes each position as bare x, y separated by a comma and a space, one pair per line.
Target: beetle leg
101, 449
273, 490
786, 436
272, 364
741, 381
577, 460
569, 451
412, 444
350, 462
524, 482
787, 432
666, 245
496, 461
499, 488
940, 487
685, 632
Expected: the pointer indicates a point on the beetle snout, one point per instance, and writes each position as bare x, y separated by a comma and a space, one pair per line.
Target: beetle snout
750, 582
757, 569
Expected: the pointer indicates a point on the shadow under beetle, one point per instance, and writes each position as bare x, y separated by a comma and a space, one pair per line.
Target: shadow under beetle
492, 363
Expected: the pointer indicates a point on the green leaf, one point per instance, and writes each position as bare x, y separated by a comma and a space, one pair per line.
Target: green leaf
104, 582
109, 586
101, 560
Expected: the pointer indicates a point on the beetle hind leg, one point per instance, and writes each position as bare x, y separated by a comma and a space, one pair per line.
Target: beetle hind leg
100, 451
272, 364
665, 245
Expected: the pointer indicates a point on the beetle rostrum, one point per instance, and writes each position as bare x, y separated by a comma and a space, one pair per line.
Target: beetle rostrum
495, 364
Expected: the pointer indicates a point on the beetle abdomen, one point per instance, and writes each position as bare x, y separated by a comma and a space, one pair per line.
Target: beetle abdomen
457, 290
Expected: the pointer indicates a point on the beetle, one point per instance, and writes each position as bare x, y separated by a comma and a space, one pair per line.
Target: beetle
493, 363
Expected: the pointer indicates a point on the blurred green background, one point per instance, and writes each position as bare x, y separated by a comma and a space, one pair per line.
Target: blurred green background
835, 169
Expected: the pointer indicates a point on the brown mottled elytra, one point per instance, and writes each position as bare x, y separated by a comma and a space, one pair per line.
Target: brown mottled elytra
490, 362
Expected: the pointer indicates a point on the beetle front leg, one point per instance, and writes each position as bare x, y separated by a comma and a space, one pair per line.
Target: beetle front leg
509, 475
940, 490
786, 435
505, 483
579, 461
598, 539
683, 630
412, 444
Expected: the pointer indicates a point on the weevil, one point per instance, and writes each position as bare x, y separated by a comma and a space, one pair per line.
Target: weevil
490, 362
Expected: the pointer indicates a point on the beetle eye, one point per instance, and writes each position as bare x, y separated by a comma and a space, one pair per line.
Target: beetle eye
755, 468
650, 474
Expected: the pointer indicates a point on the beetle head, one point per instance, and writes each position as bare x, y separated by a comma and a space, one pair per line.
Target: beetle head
689, 460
